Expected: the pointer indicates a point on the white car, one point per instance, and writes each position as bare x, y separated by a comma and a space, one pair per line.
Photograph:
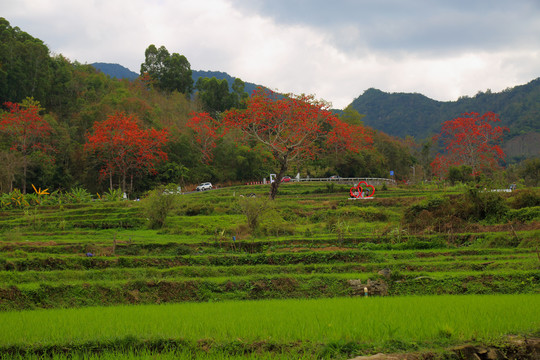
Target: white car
204, 186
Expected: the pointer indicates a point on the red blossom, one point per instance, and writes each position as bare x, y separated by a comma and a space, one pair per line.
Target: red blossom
26, 130
292, 127
470, 140
124, 148
206, 131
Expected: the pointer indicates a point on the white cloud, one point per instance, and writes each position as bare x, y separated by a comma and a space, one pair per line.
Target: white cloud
334, 50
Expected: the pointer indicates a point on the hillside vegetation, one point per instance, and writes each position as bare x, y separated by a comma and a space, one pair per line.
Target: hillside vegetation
71, 98
416, 115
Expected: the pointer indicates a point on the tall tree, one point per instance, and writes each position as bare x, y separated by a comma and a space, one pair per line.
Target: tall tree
25, 65
169, 72
214, 95
26, 131
206, 132
290, 127
124, 148
470, 140
238, 94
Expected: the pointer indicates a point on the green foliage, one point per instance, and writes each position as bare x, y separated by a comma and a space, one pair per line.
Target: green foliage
253, 208
273, 224
402, 114
27, 69
420, 214
112, 195
159, 203
79, 195
460, 174
525, 198
529, 171
215, 96
14, 199
169, 72
482, 205
525, 214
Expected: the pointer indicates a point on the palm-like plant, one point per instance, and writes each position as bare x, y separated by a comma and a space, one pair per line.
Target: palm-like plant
79, 195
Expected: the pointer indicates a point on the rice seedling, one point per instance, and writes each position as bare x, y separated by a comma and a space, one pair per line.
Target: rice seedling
419, 319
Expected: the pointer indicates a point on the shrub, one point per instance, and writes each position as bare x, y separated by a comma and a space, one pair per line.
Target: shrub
199, 209
525, 198
524, 214
157, 206
425, 208
79, 195
253, 208
482, 205
112, 195
457, 174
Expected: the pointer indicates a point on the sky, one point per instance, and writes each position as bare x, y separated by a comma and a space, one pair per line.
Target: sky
334, 49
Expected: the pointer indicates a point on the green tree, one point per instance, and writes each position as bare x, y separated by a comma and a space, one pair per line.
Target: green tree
169, 72
25, 65
529, 171
216, 96
462, 173
238, 94
351, 116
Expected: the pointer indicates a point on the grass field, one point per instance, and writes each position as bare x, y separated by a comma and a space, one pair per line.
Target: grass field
282, 290
406, 322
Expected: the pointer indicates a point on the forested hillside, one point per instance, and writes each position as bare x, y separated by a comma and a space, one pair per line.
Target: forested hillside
73, 103
402, 114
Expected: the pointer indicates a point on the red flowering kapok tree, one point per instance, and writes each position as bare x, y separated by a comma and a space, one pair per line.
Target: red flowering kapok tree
470, 140
290, 127
347, 137
26, 131
206, 131
124, 148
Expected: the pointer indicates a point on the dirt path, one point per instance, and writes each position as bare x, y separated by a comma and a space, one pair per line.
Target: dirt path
515, 348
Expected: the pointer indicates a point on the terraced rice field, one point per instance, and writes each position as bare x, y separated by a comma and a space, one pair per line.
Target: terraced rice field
293, 290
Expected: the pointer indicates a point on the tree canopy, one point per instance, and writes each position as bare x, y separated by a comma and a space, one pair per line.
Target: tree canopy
470, 140
291, 128
168, 72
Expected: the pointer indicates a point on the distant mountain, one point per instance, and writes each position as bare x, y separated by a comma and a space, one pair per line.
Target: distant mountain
402, 114
115, 71
120, 72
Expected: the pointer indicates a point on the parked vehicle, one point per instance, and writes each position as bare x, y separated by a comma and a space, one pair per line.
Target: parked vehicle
286, 179
204, 186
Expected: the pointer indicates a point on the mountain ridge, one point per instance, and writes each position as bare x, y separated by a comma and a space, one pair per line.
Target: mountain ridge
121, 72
403, 114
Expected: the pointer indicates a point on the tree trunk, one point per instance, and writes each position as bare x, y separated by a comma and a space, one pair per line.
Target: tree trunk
25, 167
110, 180
123, 182
274, 186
